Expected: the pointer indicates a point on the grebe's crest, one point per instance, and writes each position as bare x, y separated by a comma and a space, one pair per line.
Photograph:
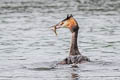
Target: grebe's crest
68, 16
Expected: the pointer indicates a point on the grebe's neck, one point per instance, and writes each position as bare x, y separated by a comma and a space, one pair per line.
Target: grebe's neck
74, 47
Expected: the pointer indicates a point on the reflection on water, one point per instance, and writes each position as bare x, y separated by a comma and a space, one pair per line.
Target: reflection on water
74, 75
28, 48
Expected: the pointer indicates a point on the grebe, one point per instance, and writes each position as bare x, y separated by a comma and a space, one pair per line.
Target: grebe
74, 56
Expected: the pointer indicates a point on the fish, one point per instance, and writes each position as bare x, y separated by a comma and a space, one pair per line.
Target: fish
54, 30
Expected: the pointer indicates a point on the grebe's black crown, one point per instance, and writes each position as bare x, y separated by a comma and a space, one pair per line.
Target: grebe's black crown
68, 17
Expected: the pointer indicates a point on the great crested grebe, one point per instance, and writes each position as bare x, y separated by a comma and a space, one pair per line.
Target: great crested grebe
74, 55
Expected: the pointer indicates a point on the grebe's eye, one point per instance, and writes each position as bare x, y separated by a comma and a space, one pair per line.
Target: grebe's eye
61, 23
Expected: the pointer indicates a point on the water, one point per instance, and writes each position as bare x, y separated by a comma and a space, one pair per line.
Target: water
29, 49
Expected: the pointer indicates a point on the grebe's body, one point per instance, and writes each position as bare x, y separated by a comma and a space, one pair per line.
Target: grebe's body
74, 55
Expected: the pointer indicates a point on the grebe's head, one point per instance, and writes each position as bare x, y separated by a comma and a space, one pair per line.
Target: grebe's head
68, 22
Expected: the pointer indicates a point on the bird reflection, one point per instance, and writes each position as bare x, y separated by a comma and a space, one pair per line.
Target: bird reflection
75, 76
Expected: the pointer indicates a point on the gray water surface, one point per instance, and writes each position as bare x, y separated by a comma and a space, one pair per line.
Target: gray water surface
29, 49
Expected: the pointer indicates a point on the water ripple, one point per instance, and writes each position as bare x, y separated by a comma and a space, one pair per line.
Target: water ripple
27, 43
